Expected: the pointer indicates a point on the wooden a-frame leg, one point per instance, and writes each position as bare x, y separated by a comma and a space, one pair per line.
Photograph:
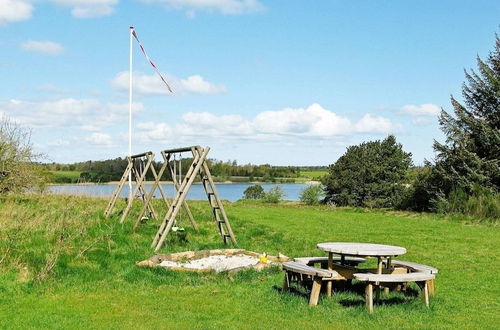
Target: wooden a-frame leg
369, 297
316, 289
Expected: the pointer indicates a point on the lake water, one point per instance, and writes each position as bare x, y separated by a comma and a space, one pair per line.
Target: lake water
231, 192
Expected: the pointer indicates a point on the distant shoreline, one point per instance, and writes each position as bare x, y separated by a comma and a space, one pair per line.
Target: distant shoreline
170, 182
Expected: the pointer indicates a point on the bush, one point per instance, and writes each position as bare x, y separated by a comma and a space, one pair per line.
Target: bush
482, 203
274, 195
311, 195
18, 170
254, 192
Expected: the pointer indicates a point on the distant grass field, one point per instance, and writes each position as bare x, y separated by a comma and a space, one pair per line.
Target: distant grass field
62, 265
71, 176
313, 174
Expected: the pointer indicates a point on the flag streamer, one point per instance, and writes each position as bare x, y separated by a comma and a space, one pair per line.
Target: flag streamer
151, 62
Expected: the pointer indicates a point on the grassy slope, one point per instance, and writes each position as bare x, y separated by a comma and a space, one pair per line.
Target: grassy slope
312, 174
72, 175
94, 282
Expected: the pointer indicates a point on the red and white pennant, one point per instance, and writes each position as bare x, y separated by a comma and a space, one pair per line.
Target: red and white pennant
149, 60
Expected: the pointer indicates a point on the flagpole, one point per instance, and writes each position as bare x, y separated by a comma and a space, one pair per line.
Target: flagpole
130, 113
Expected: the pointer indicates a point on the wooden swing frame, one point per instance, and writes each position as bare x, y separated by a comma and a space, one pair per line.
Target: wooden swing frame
199, 166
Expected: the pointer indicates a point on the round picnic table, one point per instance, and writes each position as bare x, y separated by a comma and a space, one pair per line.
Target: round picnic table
365, 250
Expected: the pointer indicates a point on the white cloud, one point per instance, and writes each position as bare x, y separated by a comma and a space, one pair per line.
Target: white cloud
311, 122
376, 124
14, 11
43, 47
152, 84
420, 110
89, 114
101, 139
88, 8
227, 7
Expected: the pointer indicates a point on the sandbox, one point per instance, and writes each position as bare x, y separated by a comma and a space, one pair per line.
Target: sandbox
219, 260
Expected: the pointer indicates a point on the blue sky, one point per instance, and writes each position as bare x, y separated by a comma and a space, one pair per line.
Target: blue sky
280, 82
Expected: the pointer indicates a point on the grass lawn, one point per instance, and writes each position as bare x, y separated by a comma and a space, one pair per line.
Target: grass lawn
62, 265
313, 174
72, 175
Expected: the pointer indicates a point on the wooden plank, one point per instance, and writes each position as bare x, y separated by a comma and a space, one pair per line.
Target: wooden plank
362, 249
415, 267
408, 277
297, 267
314, 260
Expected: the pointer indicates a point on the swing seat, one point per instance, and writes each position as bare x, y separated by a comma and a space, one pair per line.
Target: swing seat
177, 229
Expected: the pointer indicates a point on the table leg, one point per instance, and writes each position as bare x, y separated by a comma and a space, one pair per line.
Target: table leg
377, 284
330, 268
388, 265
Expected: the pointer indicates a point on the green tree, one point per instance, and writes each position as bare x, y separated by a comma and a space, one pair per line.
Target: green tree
470, 156
254, 192
370, 174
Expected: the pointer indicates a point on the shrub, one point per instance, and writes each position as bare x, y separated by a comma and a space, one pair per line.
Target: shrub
311, 195
274, 195
254, 192
481, 203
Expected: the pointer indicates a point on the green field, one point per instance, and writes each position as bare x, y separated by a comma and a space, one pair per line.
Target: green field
71, 176
62, 265
313, 174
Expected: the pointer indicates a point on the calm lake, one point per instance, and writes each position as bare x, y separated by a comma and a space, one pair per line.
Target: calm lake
231, 192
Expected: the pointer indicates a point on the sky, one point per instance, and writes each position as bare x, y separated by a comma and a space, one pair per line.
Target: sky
284, 82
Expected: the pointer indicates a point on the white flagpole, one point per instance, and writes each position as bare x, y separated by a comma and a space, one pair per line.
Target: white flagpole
130, 114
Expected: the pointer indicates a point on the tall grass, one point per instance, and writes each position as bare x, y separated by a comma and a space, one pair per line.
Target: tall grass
481, 203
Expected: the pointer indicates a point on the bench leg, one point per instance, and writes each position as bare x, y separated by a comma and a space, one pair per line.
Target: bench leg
286, 282
431, 287
425, 293
316, 289
369, 297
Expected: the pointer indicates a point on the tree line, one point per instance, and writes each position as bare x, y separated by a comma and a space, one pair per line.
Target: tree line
112, 170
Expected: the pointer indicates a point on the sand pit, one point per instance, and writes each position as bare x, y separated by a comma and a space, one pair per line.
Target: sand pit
220, 260
217, 263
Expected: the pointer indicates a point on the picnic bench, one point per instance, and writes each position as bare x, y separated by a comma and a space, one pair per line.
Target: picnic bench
422, 280
413, 267
298, 272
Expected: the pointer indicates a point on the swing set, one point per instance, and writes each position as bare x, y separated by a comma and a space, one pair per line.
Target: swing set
138, 167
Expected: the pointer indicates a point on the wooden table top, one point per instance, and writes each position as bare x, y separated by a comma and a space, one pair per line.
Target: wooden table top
362, 249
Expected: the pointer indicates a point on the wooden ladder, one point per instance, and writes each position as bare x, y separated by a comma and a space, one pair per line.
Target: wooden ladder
215, 202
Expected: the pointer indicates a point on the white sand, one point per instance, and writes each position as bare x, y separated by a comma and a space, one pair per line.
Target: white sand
218, 263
